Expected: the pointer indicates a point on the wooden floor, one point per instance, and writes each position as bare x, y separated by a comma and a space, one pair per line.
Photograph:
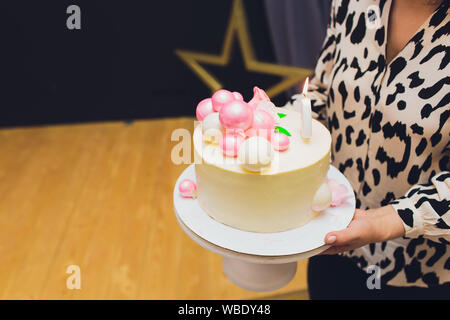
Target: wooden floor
100, 196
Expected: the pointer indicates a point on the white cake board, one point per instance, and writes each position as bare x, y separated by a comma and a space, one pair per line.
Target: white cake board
261, 261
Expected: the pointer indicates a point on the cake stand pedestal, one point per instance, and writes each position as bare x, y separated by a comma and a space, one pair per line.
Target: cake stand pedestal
259, 261
254, 272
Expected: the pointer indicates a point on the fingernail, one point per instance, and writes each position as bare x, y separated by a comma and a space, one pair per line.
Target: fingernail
331, 239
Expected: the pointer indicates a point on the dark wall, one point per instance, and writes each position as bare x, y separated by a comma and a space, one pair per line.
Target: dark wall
121, 64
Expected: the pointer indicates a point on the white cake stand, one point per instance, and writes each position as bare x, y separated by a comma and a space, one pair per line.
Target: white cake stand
261, 261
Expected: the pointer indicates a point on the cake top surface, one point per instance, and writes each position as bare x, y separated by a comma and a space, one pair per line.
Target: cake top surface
301, 152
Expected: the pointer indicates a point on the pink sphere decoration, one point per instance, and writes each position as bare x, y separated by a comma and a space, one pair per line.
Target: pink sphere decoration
188, 188
238, 96
280, 141
204, 108
220, 98
263, 125
236, 115
230, 144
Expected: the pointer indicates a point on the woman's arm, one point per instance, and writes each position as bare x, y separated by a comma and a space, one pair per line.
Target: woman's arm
321, 79
424, 210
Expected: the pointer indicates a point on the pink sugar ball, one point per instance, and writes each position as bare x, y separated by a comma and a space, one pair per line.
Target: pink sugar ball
187, 188
280, 141
236, 115
238, 96
263, 125
220, 98
204, 108
230, 144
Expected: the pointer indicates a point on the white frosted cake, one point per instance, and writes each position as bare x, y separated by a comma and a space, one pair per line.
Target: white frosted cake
256, 174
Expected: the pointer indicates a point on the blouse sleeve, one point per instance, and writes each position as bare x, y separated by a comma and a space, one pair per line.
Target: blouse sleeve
321, 78
425, 209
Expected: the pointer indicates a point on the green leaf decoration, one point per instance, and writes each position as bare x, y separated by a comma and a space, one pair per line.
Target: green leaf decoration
283, 130
282, 115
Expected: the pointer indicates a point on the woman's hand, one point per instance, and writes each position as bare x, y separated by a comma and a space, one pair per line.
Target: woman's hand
367, 226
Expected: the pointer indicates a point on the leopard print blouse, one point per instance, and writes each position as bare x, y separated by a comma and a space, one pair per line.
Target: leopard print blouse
390, 130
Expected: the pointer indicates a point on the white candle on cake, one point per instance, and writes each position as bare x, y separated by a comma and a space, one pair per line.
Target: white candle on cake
305, 112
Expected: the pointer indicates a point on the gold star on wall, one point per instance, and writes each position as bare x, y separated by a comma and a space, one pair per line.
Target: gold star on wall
237, 26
